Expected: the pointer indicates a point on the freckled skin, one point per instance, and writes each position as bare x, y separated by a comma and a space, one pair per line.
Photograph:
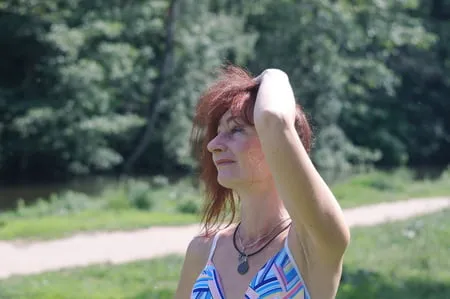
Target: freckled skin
256, 162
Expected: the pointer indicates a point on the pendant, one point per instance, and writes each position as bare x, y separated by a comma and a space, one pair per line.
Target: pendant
243, 264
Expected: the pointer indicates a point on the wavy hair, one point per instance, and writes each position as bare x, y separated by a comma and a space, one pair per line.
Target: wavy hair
234, 90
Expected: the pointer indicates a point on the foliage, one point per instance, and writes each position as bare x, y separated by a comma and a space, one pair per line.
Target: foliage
190, 204
129, 194
81, 92
336, 57
139, 195
67, 203
81, 80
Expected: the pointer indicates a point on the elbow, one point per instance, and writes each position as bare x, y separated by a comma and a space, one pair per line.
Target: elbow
347, 236
336, 243
343, 240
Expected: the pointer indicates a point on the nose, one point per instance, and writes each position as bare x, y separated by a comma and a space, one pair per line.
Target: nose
216, 145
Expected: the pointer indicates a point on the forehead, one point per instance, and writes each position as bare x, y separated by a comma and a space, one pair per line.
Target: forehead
226, 118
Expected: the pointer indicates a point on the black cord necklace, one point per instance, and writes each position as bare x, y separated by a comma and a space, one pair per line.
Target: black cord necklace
243, 257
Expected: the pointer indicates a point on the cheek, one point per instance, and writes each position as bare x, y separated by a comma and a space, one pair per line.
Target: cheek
255, 157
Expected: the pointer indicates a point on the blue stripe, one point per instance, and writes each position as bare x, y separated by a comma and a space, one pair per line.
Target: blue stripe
267, 267
217, 284
266, 282
270, 286
270, 292
285, 260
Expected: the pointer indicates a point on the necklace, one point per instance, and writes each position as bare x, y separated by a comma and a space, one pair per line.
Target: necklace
243, 257
254, 243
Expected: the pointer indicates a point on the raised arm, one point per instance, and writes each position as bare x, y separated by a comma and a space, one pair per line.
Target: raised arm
308, 199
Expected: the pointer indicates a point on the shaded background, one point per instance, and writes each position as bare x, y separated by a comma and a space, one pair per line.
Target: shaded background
107, 88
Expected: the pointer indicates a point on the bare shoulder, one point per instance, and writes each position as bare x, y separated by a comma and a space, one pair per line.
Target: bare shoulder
195, 259
197, 253
198, 250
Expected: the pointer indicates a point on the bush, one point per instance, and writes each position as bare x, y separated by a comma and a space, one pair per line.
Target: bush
385, 181
117, 199
445, 175
66, 203
189, 205
159, 181
72, 202
139, 195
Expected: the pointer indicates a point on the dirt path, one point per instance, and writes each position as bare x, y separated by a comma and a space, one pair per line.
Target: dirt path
20, 258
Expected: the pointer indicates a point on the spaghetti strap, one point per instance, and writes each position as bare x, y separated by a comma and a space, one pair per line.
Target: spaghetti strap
213, 247
286, 239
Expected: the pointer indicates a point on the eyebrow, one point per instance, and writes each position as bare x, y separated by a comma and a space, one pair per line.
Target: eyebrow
229, 120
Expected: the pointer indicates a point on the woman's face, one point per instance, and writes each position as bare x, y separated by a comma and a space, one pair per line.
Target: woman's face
237, 153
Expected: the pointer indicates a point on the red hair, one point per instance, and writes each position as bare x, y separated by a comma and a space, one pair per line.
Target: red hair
234, 90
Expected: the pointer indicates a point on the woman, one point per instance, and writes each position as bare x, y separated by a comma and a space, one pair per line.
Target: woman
291, 235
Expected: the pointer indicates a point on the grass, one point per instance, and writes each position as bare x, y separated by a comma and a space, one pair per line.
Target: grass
380, 186
53, 226
154, 279
137, 204
400, 260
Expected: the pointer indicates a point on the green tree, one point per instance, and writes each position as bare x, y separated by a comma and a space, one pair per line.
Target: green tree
336, 53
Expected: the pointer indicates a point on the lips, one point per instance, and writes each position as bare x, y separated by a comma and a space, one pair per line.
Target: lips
223, 162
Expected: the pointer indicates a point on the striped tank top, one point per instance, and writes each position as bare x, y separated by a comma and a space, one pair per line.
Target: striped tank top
278, 278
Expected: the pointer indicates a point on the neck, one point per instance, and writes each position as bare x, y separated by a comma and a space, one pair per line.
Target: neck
261, 211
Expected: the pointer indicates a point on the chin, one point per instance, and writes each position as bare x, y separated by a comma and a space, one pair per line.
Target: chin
228, 181
233, 182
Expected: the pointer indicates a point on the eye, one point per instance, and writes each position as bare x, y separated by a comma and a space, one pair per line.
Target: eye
237, 129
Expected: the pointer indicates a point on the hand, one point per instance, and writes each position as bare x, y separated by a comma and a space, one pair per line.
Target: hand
275, 98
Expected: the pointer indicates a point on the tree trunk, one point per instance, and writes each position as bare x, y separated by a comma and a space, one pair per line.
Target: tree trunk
155, 105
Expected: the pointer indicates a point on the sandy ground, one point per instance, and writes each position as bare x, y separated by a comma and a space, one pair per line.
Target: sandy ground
22, 258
